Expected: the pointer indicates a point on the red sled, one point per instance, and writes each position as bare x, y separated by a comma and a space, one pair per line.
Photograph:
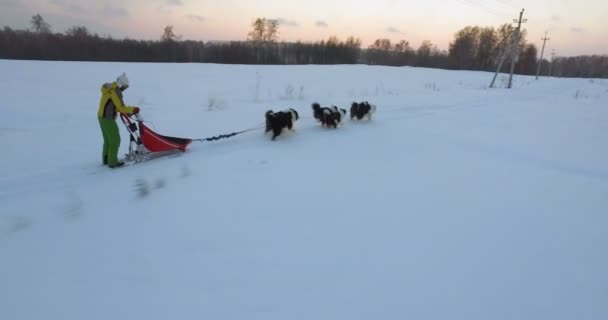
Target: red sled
146, 144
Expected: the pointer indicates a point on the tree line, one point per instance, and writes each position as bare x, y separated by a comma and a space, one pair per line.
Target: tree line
472, 48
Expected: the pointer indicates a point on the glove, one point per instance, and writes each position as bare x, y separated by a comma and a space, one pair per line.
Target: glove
135, 110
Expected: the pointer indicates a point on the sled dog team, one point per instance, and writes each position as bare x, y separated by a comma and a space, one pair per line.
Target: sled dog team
329, 117
111, 103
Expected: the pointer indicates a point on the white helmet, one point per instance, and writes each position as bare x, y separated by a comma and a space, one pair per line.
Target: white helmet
122, 80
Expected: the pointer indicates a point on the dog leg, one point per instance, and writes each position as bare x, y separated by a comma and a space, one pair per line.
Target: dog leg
276, 132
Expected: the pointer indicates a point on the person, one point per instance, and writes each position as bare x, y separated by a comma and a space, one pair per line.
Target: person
110, 104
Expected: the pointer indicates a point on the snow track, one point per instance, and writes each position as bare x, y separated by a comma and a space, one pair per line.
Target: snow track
455, 202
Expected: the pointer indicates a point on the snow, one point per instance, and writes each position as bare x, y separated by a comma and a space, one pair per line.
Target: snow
455, 202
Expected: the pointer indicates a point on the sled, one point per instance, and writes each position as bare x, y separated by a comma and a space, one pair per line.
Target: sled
145, 144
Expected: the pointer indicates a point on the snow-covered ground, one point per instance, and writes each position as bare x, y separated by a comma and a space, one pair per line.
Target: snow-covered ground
455, 202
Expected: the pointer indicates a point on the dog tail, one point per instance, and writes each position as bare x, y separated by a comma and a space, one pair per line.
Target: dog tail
294, 114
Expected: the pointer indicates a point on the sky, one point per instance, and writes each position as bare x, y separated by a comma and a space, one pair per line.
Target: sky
574, 26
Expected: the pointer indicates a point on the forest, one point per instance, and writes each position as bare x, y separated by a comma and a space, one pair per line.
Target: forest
472, 48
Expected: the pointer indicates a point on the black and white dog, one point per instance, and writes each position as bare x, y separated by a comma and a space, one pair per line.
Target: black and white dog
318, 112
361, 110
334, 117
328, 117
277, 121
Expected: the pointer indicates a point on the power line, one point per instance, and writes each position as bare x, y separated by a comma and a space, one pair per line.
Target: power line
543, 24
498, 6
506, 4
486, 5
488, 9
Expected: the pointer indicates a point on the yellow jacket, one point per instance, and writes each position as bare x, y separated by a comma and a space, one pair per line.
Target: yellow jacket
111, 102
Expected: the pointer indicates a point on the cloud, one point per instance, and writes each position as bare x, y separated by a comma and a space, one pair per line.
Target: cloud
577, 30
556, 18
289, 23
167, 5
115, 11
163, 10
196, 18
394, 30
13, 3
68, 7
321, 24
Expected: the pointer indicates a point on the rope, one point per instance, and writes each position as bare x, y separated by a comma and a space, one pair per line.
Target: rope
221, 136
229, 135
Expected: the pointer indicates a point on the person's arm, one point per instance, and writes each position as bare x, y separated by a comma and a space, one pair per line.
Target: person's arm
120, 106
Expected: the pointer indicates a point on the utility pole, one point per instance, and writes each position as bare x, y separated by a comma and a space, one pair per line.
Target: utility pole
507, 50
514, 51
540, 62
512, 44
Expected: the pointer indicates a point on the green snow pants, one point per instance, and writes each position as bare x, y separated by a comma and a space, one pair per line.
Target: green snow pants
111, 141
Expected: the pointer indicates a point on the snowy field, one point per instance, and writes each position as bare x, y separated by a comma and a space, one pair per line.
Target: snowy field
455, 202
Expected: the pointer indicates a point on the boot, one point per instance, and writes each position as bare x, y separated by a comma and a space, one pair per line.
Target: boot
118, 165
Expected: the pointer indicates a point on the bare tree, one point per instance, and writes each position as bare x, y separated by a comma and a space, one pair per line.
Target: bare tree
425, 48
333, 41
353, 42
271, 31
264, 30
464, 48
487, 48
39, 25
258, 29
169, 35
527, 60
80, 32
402, 46
424, 53
382, 44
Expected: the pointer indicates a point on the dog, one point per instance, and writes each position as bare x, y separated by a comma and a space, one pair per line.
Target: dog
361, 110
328, 117
318, 111
333, 116
277, 121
